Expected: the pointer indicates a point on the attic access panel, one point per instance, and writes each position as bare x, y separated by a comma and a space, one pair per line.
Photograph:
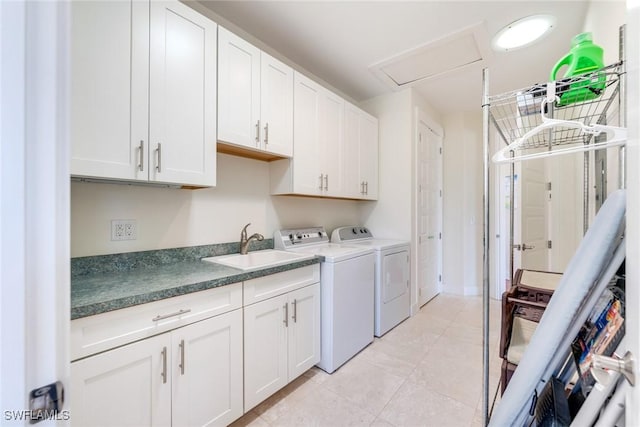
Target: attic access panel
457, 51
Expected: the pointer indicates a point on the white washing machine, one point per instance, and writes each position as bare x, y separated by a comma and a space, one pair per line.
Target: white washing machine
392, 281
346, 292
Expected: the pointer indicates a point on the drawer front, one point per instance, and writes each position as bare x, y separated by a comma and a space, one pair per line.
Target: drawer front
94, 334
266, 287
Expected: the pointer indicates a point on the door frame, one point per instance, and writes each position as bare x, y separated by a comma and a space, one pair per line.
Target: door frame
34, 177
500, 219
422, 117
632, 336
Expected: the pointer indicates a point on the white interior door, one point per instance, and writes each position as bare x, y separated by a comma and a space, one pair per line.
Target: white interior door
531, 217
34, 203
632, 336
429, 205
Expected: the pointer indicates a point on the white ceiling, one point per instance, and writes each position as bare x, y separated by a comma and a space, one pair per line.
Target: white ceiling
339, 41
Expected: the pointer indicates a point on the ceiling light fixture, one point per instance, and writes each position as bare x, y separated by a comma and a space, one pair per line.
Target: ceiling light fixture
523, 32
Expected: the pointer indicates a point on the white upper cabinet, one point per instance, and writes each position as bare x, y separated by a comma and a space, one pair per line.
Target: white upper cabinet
332, 144
361, 154
109, 88
238, 90
368, 158
143, 86
182, 130
309, 157
276, 106
317, 166
255, 97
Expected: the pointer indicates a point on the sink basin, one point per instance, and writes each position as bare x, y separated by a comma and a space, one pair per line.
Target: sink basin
258, 259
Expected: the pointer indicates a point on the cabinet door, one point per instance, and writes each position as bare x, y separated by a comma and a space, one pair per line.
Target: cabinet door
207, 371
124, 386
265, 349
276, 106
238, 90
332, 144
182, 95
304, 329
368, 148
306, 137
353, 184
109, 89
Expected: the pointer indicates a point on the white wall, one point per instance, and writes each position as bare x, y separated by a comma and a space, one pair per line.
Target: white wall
603, 20
462, 235
169, 218
391, 215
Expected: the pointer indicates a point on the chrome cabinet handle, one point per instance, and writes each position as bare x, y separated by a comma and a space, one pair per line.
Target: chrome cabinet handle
366, 187
181, 365
258, 132
166, 316
266, 133
326, 182
159, 159
286, 315
163, 374
361, 187
321, 176
141, 150
295, 311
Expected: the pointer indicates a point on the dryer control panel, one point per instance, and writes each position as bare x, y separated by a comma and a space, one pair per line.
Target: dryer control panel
351, 232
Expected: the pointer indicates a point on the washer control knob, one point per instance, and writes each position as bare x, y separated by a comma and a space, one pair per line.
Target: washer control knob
354, 230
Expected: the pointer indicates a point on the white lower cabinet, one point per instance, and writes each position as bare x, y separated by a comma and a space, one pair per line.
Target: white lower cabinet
281, 341
265, 355
189, 376
207, 372
200, 359
303, 331
123, 387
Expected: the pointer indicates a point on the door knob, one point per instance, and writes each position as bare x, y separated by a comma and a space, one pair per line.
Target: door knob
523, 247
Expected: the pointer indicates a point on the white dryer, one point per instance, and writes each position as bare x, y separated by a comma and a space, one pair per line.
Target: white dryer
392, 300
346, 292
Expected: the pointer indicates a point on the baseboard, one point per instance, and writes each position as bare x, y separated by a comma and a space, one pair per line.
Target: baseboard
472, 290
414, 309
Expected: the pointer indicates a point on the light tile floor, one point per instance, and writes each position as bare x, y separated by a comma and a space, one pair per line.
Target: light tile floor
425, 372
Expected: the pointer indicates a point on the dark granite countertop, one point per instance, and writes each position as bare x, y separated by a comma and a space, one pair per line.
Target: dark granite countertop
94, 292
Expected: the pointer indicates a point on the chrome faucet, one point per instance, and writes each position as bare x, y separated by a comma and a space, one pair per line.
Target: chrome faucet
244, 241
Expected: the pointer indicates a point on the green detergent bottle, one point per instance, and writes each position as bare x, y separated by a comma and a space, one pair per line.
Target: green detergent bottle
585, 57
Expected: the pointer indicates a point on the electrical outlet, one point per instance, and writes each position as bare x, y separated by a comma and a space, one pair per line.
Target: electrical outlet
124, 229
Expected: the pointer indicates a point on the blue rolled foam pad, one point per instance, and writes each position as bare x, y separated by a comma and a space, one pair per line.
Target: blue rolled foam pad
585, 268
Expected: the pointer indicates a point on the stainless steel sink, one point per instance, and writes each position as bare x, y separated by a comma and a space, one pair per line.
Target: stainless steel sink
258, 259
